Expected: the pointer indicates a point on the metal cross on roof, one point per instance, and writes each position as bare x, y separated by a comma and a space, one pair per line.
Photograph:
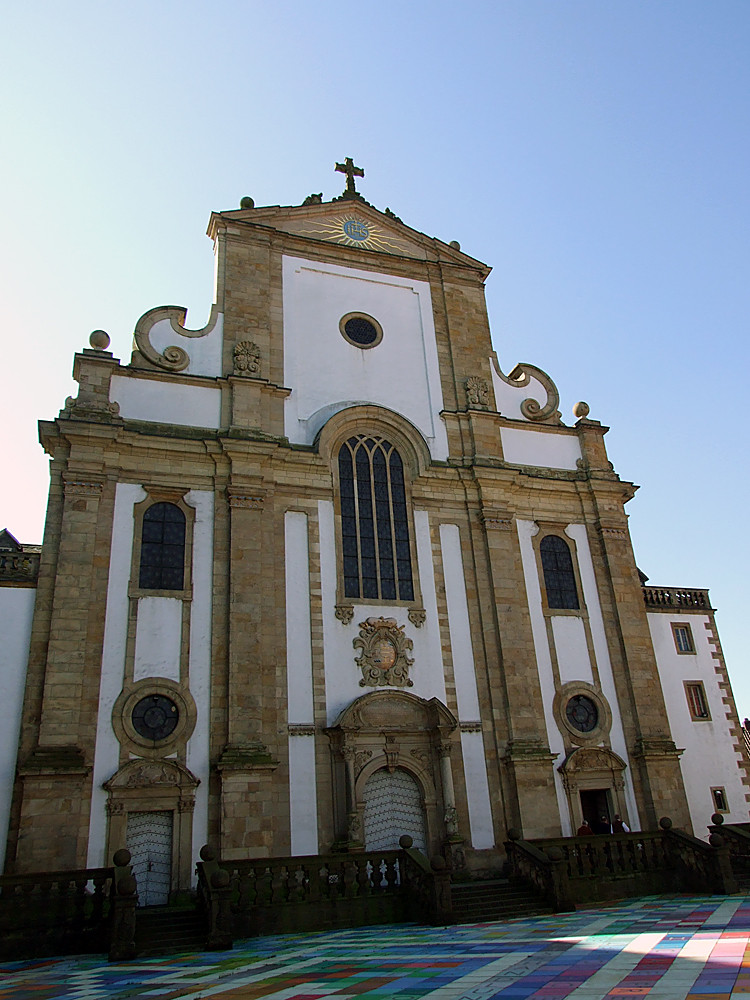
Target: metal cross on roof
348, 168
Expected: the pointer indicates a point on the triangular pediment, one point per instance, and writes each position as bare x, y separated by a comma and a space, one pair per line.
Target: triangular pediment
8, 543
352, 224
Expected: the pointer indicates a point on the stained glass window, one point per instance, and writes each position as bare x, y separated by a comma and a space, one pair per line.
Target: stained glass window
374, 523
162, 548
559, 577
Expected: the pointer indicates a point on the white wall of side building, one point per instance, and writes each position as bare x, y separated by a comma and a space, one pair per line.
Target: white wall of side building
710, 757
16, 613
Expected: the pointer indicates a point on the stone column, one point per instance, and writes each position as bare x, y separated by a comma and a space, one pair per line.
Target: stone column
528, 758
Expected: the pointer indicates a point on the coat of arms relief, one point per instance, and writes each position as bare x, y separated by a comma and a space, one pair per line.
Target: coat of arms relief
384, 658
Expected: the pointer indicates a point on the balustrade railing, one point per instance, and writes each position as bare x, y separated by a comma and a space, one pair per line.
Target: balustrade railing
274, 895
579, 869
19, 567
44, 913
676, 597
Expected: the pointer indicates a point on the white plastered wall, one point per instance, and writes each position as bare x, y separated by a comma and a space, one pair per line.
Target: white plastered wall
710, 758
201, 609
327, 374
204, 351
162, 402
16, 613
543, 449
567, 658
467, 698
107, 747
303, 805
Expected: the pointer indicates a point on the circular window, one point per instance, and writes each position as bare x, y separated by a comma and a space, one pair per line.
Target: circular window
361, 330
155, 717
582, 713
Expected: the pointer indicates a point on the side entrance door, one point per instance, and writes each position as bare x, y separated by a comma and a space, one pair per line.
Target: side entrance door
149, 840
393, 806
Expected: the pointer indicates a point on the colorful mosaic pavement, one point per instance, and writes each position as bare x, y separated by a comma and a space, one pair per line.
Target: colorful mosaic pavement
663, 948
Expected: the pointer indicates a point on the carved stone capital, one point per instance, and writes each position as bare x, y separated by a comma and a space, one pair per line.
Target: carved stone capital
246, 499
417, 616
344, 613
444, 749
300, 729
470, 727
82, 487
497, 520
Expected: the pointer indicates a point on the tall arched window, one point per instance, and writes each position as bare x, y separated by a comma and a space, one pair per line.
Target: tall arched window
162, 548
374, 522
559, 576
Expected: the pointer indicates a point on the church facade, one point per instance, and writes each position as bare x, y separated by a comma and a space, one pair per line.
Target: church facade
320, 574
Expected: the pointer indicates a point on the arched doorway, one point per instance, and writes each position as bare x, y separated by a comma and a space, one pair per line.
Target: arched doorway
594, 782
393, 806
392, 775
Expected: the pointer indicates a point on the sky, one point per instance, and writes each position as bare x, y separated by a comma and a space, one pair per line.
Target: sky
593, 152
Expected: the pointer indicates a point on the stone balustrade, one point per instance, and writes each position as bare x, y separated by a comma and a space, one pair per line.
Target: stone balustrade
19, 567
676, 597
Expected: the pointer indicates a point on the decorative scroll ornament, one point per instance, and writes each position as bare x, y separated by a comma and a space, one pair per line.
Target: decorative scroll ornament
477, 392
172, 359
531, 408
384, 658
246, 359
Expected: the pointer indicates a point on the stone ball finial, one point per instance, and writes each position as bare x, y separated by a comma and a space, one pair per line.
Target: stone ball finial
220, 879
716, 840
514, 833
455, 244
438, 863
405, 841
121, 857
555, 853
247, 202
717, 819
99, 340
665, 823
207, 853
581, 410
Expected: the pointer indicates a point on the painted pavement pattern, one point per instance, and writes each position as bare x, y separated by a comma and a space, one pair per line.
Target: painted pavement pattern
664, 948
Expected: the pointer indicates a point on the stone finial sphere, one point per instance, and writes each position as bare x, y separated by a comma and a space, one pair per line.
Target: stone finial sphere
220, 879
99, 340
438, 863
405, 841
716, 840
581, 410
665, 823
207, 853
126, 886
247, 202
455, 244
514, 833
121, 857
554, 854
717, 819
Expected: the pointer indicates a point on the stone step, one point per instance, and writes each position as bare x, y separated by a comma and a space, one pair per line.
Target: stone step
494, 900
160, 931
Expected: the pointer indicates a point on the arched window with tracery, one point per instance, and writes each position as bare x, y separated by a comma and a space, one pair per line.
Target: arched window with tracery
559, 575
374, 520
162, 565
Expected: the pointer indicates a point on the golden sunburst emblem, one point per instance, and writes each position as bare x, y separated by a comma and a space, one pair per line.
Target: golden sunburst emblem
355, 232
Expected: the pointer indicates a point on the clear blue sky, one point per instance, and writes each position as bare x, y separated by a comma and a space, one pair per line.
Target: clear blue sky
594, 152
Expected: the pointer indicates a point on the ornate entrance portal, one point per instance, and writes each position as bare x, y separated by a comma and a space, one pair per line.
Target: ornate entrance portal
392, 773
393, 806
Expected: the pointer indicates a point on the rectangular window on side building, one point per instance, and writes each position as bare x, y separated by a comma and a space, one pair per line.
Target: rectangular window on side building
697, 701
683, 637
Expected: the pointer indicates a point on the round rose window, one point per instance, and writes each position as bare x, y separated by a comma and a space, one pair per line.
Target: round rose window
582, 713
155, 717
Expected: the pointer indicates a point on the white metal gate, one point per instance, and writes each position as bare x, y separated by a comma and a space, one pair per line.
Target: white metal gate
149, 840
393, 806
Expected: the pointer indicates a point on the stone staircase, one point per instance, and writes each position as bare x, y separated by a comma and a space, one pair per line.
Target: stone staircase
162, 930
495, 899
